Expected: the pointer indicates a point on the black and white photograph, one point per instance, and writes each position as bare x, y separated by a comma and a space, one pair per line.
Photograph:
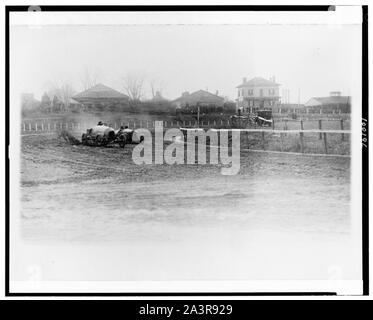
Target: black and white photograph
186, 151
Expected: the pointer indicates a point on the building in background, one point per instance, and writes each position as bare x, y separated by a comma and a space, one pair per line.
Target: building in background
75, 105
201, 98
58, 105
257, 93
101, 96
335, 103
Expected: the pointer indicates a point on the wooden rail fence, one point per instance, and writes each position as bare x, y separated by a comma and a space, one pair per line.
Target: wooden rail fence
28, 127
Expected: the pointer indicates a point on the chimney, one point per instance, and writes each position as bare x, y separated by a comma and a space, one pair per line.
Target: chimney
244, 80
335, 93
217, 92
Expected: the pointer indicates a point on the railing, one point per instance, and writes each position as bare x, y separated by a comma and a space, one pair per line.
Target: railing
36, 126
282, 128
277, 124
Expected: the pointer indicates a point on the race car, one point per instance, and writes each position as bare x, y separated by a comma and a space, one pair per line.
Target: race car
102, 135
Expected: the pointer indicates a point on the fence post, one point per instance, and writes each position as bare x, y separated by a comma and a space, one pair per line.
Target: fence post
343, 136
24, 126
301, 137
42, 126
325, 143
320, 128
36, 126
273, 124
263, 141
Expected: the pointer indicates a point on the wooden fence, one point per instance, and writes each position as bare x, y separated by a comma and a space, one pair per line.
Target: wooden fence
282, 124
280, 127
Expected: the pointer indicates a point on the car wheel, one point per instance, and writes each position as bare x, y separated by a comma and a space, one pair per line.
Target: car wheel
99, 140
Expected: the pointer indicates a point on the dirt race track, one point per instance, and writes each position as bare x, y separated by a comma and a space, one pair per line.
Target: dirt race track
82, 194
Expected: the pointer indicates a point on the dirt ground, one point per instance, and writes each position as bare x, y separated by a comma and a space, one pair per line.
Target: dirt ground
81, 194
59, 179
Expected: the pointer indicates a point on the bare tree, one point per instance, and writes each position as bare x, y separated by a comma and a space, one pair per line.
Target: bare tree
62, 90
133, 85
89, 78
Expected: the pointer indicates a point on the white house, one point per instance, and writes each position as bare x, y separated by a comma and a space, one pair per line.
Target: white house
257, 93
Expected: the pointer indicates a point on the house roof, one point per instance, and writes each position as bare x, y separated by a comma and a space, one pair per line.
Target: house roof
258, 82
328, 100
72, 101
200, 96
100, 91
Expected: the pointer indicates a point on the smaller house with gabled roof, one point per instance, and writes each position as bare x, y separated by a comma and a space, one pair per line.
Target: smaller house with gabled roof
100, 96
257, 93
200, 98
334, 103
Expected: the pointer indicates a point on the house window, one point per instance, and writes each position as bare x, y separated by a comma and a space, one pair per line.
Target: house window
250, 92
238, 92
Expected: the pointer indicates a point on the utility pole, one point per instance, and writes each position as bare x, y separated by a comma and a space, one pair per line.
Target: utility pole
198, 115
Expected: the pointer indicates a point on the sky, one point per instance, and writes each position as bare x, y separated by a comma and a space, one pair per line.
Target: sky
308, 59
